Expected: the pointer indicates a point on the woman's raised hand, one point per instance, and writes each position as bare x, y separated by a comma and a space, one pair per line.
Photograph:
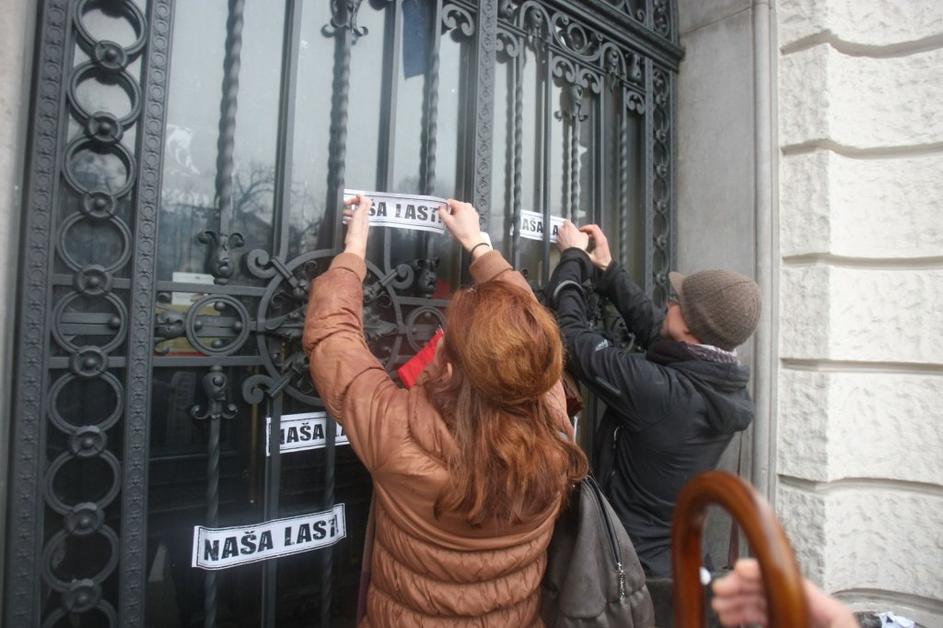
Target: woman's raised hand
461, 220
357, 215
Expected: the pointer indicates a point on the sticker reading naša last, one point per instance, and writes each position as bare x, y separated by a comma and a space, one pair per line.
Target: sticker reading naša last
401, 211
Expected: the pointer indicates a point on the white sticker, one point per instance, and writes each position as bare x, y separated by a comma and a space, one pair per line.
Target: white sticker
403, 211
532, 225
187, 298
221, 548
300, 432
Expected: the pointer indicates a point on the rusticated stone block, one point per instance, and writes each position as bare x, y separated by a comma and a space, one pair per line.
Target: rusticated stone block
874, 208
858, 101
867, 537
861, 314
865, 22
835, 425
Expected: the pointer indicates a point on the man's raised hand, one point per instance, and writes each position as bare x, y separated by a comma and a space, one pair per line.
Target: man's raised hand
600, 255
568, 237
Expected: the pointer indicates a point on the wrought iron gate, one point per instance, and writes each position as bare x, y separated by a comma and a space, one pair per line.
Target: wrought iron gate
172, 226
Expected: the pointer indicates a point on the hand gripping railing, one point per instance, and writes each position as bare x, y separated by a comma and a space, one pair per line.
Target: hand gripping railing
786, 603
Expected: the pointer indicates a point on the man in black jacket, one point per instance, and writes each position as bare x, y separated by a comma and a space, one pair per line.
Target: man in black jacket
671, 411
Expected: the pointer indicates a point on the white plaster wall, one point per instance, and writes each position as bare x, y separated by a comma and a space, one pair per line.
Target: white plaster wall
17, 19
860, 386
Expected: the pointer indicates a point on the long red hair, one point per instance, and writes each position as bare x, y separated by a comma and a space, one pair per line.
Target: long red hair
511, 462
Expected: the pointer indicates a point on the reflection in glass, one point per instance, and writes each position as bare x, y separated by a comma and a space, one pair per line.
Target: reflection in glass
191, 149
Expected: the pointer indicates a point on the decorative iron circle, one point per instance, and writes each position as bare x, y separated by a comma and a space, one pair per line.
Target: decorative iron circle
92, 280
84, 519
58, 504
115, 150
106, 609
426, 310
89, 362
98, 205
75, 264
193, 324
104, 128
130, 12
110, 55
104, 424
54, 548
88, 441
92, 71
269, 297
266, 302
117, 322
81, 596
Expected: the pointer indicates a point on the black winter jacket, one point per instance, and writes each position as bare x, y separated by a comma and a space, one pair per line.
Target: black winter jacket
670, 412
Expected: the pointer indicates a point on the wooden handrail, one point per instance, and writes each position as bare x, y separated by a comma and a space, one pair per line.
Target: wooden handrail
786, 603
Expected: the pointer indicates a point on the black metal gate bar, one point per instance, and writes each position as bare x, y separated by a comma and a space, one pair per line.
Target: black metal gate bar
600, 160
648, 138
517, 73
150, 141
273, 478
343, 27
392, 47
623, 157
575, 115
221, 266
286, 126
25, 530
430, 110
542, 44
344, 23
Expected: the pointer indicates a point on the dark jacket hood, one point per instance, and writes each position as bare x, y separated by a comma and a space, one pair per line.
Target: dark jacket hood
722, 384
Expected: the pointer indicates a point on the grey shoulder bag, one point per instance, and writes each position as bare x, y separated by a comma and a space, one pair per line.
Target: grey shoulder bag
593, 576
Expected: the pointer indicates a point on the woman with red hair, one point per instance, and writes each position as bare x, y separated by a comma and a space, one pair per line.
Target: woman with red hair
471, 466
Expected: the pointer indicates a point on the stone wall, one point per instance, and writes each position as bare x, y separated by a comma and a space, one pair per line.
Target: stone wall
860, 384
17, 22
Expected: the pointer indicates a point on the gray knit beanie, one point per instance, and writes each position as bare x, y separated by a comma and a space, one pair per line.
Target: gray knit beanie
720, 307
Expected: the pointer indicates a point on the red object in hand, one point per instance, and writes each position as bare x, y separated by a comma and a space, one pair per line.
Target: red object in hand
409, 373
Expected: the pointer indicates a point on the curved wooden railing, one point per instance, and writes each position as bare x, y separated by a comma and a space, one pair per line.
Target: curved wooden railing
785, 600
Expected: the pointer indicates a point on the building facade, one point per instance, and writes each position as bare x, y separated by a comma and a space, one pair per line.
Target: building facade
165, 168
827, 117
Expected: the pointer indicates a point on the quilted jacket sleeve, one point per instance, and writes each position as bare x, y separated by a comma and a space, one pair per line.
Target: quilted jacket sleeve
356, 390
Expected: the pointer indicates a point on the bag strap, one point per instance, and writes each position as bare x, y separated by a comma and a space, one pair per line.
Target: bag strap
365, 567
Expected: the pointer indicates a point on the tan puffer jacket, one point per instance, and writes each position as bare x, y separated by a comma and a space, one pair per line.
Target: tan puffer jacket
425, 571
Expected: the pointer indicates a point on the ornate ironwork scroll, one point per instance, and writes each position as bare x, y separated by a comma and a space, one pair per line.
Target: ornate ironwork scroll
662, 194
485, 38
96, 310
